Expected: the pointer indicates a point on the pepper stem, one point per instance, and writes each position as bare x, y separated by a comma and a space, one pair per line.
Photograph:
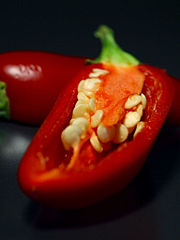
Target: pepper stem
4, 102
111, 53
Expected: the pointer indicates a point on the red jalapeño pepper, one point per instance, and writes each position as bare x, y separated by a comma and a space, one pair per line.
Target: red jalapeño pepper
30, 82
57, 174
33, 80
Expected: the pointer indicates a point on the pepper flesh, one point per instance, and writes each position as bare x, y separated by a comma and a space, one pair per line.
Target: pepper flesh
126, 81
44, 174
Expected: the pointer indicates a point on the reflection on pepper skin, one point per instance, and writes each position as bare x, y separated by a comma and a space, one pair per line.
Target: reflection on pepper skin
16, 145
14, 139
24, 72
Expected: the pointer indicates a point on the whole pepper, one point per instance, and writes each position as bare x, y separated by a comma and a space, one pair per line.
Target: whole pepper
33, 81
46, 173
30, 82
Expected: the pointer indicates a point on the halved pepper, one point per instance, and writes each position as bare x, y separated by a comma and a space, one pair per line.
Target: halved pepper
75, 174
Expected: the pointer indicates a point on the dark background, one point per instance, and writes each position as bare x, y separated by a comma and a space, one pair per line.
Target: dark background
149, 207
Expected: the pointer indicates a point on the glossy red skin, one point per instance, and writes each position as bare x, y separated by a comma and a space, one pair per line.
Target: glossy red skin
34, 80
174, 113
44, 182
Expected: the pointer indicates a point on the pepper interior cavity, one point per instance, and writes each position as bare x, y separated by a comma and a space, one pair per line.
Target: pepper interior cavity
102, 116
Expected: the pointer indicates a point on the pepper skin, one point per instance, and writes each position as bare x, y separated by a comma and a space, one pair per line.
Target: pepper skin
43, 173
33, 80
174, 114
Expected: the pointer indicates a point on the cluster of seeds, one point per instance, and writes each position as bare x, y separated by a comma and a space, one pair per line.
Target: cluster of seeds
86, 119
119, 132
84, 110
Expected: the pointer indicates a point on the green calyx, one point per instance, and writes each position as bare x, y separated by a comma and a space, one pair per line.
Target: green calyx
111, 53
4, 102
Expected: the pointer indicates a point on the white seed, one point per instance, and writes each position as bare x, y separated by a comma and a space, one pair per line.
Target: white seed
91, 84
72, 120
87, 116
96, 144
131, 119
92, 105
139, 110
143, 100
78, 103
80, 110
132, 101
94, 75
71, 136
82, 97
96, 118
121, 133
82, 123
101, 71
139, 127
105, 134
89, 93
80, 85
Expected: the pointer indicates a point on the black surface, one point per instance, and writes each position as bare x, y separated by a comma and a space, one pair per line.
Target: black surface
149, 207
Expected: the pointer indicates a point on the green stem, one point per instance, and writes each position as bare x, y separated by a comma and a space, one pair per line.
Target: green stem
111, 53
4, 102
